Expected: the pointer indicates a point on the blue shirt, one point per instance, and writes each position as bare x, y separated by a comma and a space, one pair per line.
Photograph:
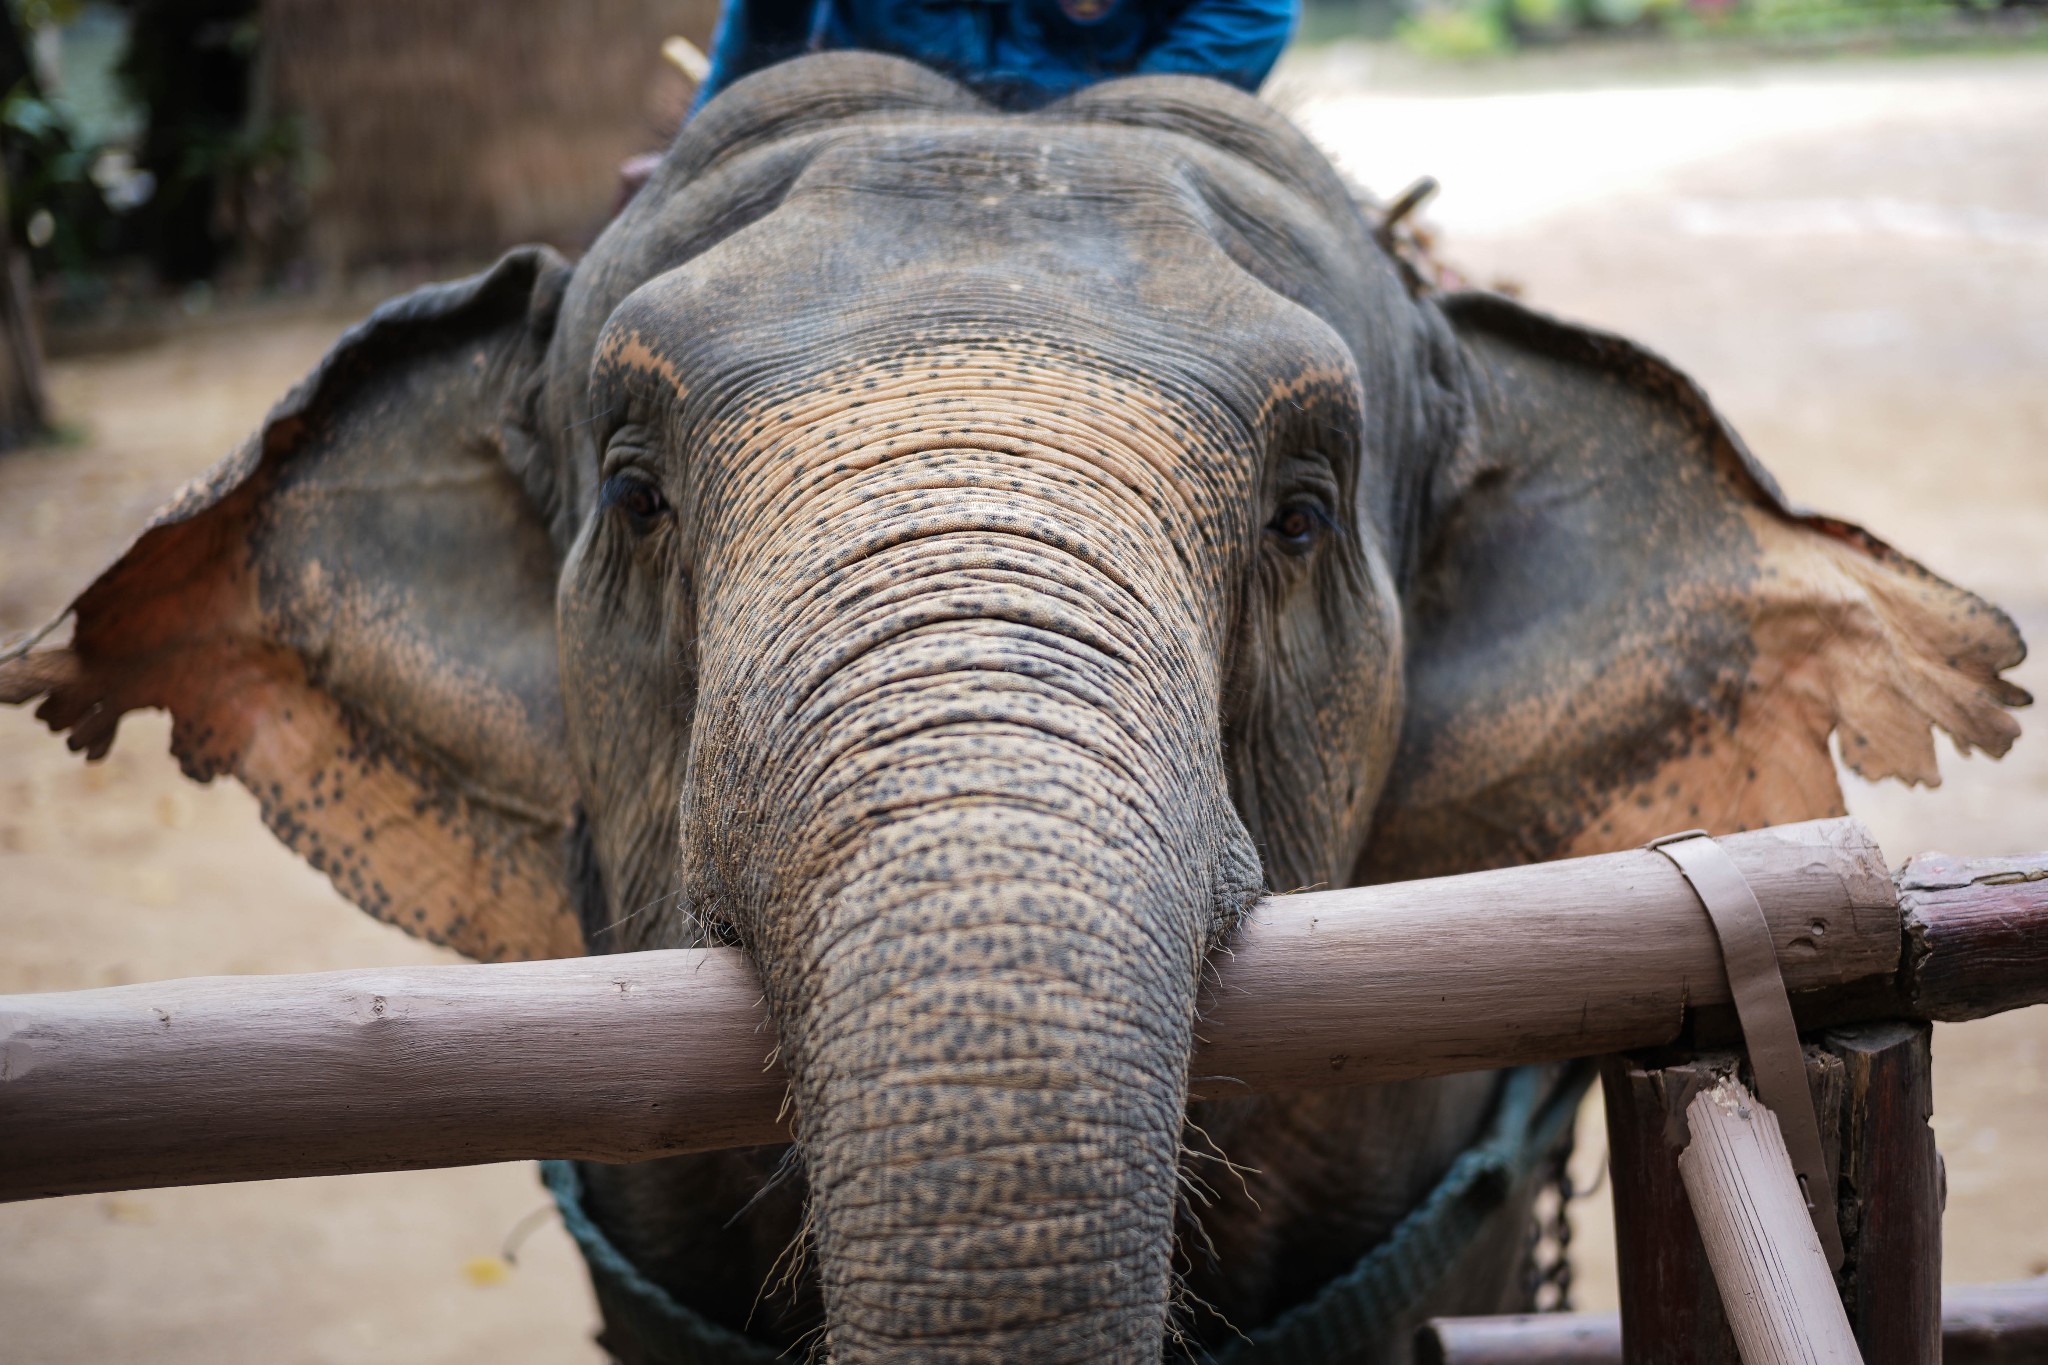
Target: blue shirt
1019, 51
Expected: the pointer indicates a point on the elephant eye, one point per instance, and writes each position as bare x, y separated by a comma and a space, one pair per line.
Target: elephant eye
640, 501
1297, 524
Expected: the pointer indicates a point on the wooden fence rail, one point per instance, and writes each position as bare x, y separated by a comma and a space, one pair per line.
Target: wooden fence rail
1981, 1324
645, 1054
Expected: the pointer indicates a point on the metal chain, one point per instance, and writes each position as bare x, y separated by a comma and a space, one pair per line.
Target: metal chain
1547, 1267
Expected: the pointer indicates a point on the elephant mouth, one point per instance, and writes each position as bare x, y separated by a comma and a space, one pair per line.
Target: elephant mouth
1374, 1299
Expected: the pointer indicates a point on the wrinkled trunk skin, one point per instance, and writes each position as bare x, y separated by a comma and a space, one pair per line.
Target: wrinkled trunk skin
992, 1074
956, 780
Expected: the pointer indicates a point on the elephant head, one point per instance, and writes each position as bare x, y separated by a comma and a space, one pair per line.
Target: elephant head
964, 559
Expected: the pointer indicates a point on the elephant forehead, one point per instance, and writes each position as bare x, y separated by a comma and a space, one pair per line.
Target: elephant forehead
803, 300
1028, 418
1152, 205
1043, 166
1132, 226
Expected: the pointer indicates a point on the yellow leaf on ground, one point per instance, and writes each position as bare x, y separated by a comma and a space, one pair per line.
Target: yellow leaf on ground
119, 1210
485, 1270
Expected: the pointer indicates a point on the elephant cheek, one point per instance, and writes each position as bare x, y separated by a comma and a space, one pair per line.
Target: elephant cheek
627, 705
1319, 700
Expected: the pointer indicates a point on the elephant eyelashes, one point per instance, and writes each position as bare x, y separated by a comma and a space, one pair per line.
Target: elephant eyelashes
1297, 524
640, 502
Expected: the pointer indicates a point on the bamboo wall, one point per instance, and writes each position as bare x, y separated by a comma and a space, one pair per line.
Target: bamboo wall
446, 130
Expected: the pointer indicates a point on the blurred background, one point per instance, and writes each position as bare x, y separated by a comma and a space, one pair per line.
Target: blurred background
1833, 213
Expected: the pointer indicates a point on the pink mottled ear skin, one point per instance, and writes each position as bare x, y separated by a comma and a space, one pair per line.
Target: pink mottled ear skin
353, 615
1624, 631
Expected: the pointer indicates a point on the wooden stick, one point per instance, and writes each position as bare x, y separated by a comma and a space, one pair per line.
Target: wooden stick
246, 1078
1981, 1324
1775, 1284
1521, 1339
1674, 1312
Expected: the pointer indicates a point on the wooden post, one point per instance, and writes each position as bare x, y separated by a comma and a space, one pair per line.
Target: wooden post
1872, 1087
1776, 1289
1671, 1309
1671, 1313
1890, 1192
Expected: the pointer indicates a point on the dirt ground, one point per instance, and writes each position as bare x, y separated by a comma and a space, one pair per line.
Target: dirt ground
1851, 256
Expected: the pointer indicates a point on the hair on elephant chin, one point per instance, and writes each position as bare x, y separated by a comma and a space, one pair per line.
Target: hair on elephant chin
354, 616
585, 877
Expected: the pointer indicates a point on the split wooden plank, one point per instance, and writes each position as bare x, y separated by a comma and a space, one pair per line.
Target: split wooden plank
1776, 1288
1674, 1312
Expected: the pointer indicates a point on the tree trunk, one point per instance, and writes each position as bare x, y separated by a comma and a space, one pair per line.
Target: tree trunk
24, 405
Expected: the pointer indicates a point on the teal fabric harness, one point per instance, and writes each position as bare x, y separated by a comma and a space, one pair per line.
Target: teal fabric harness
1349, 1316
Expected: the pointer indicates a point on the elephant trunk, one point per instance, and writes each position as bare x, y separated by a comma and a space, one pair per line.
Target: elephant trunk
967, 788
991, 1085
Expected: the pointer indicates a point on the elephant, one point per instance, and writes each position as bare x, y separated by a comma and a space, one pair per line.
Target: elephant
966, 559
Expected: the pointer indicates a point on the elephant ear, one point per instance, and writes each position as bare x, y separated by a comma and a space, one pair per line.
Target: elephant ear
1619, 629
354, 615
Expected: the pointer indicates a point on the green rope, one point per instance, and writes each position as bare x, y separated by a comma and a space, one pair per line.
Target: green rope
1353, 1314
1350, 1316
642, 1321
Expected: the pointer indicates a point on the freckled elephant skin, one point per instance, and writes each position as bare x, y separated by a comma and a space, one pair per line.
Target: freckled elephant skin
962, 558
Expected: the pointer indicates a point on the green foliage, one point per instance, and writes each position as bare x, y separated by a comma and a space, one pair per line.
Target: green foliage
1463, 29
1542, 14
265, 147
54, 203
142, 142
40, 14
1457, 32
1472, 28
1325, 21
1798, 18
1620, 13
